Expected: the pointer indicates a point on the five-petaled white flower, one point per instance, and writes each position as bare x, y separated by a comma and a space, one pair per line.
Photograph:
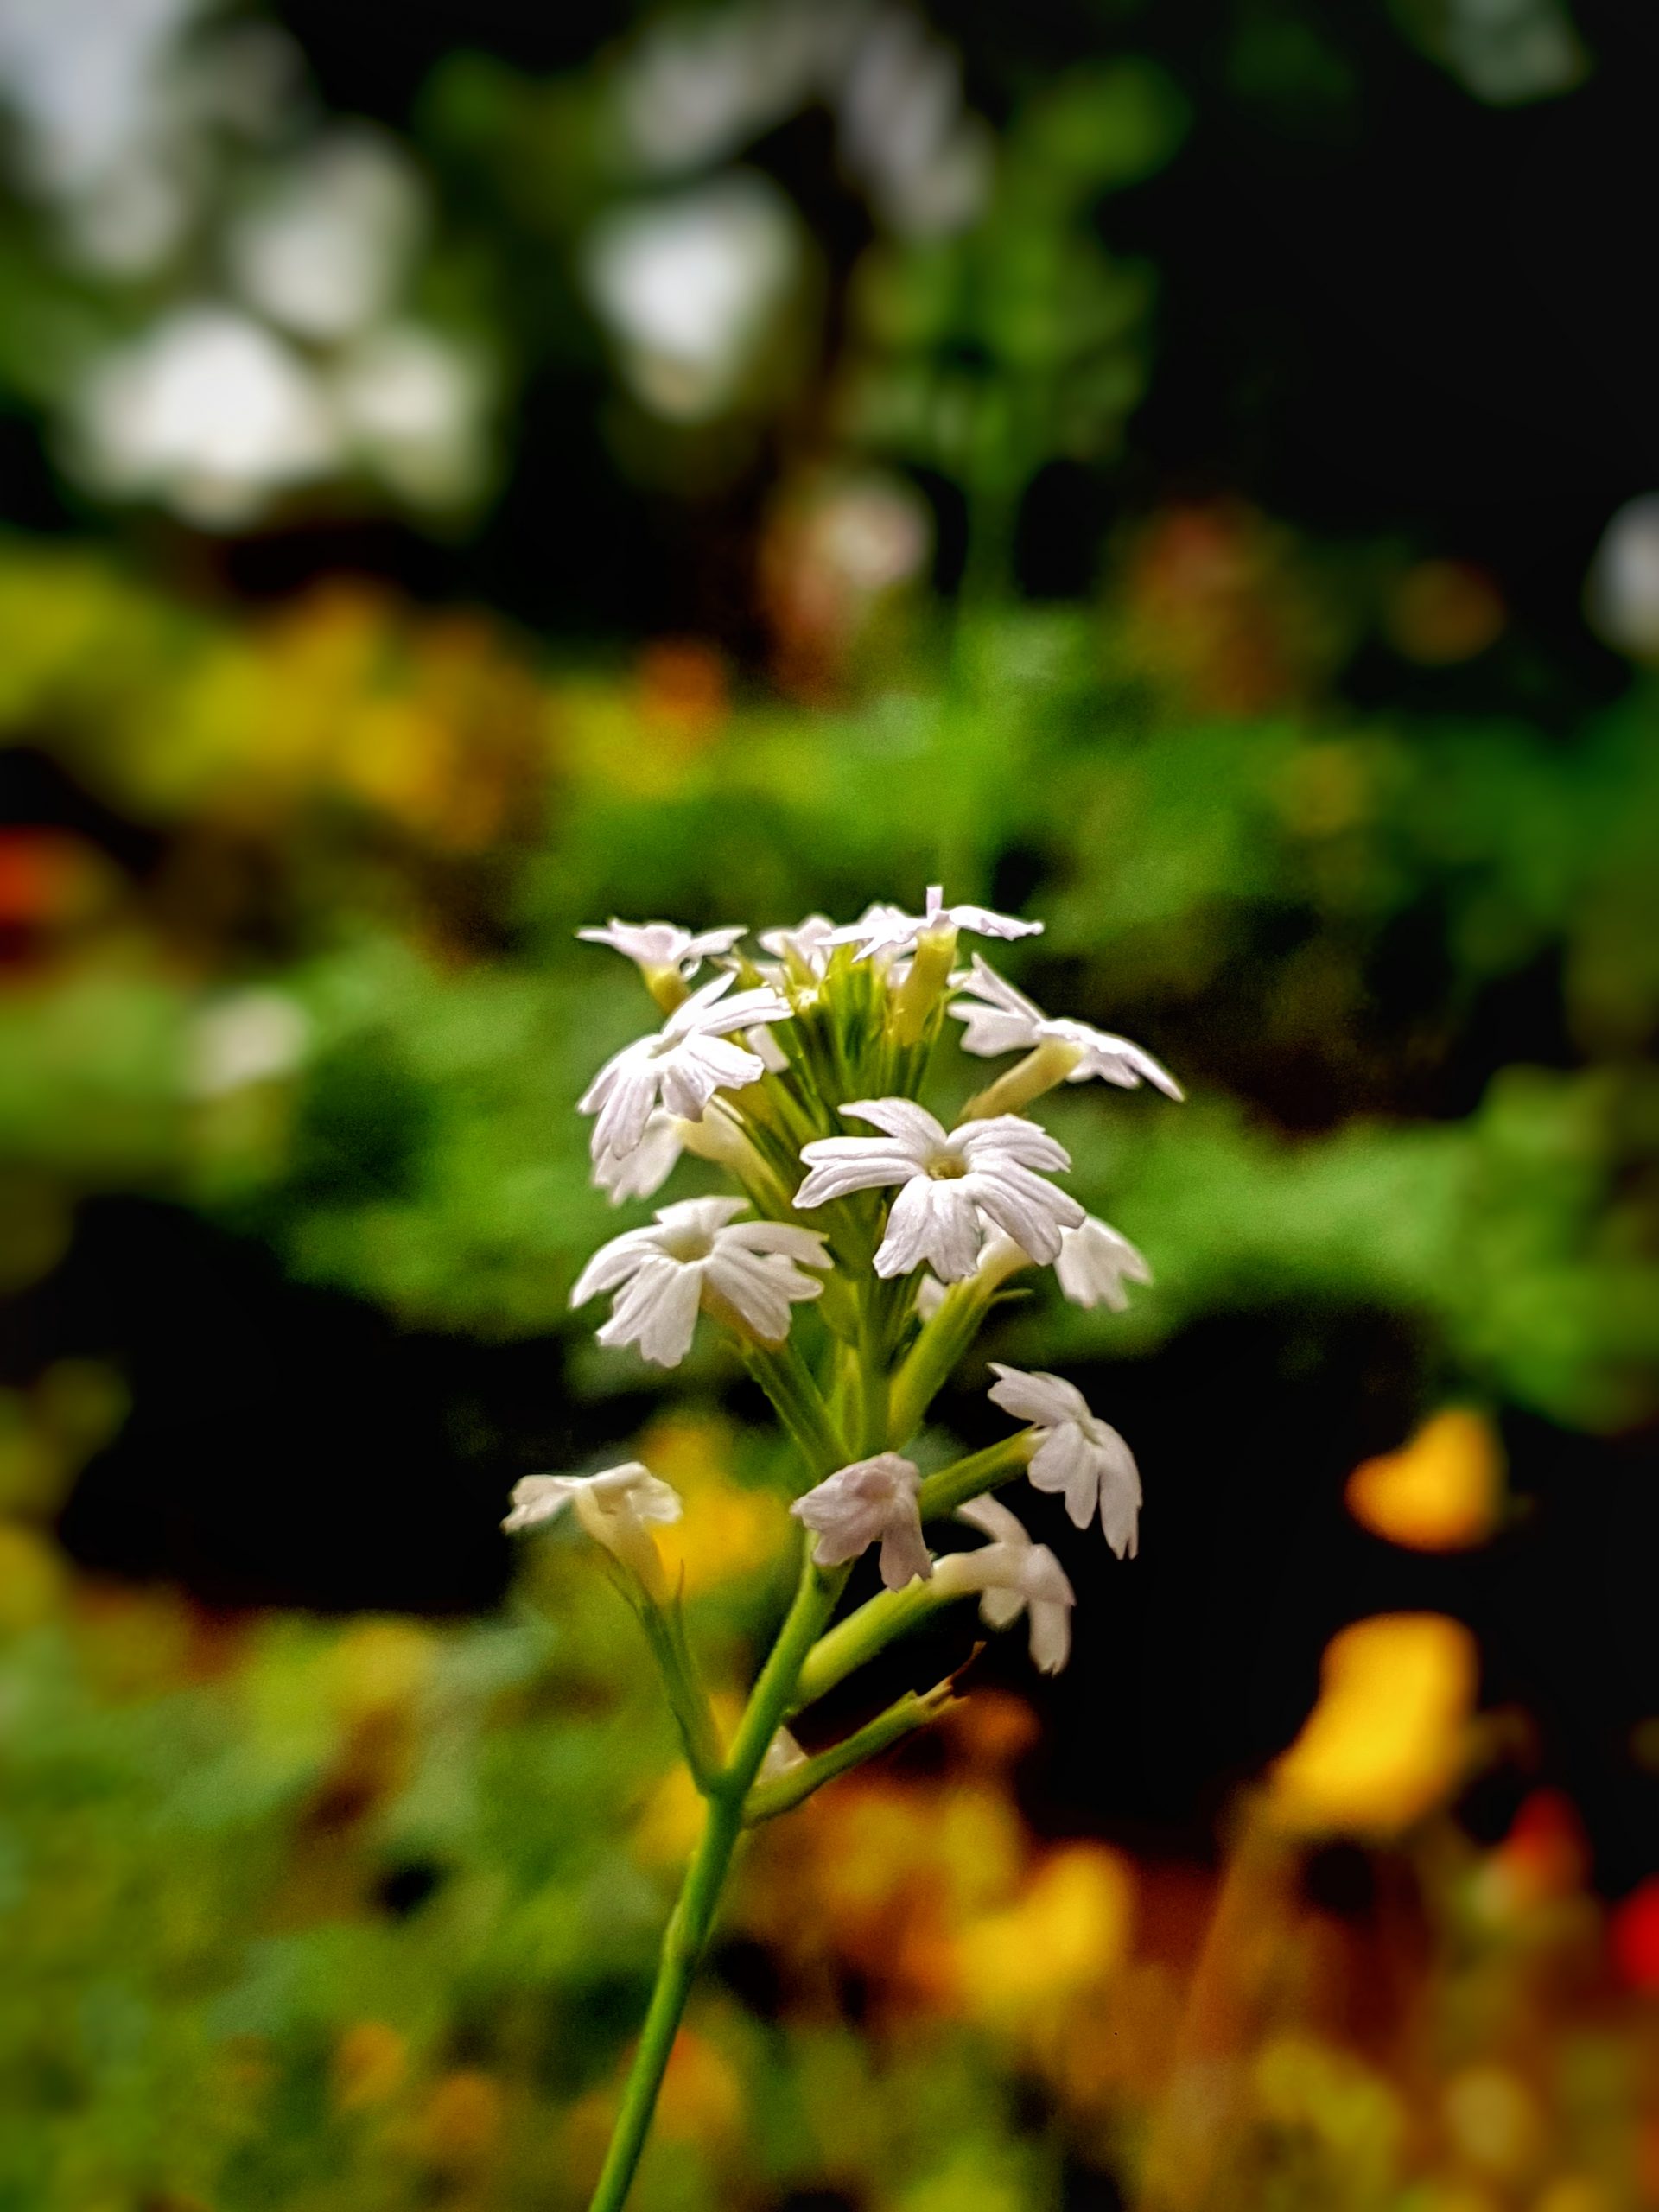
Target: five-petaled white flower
998, 1019
951, 1178
618, 1508
1096, 1262
1079, 1455
889, 929
690, 1057
659, 948
871, 1500
695, 1255
1014, 1575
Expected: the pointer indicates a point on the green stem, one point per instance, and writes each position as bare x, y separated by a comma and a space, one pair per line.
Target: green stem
784, 1376
954, 1485
902, 1718
687, 1698
927, 1366
692, 1920
862, 1634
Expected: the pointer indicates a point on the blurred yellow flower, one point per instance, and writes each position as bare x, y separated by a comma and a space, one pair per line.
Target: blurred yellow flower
370, 2061
1442, 1491
379, 1666
702, 2098
1387, 1740
726, 1530
1068, 1930
461, 2122
668, 1827
31, 1579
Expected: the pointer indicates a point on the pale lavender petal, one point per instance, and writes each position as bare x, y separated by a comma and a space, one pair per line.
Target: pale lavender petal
1010, 1136
1038, 1396
1026, 1208
932, 1221
986, 1031
613, 1263
984, 923
1051, 1637
1002, 1605
626, 1104
917, 1131
840, 1166
538, 1498
658, 1312
904, 1555
994, 1519
757, 1289
803, 1246
1065, 1461
695, 1217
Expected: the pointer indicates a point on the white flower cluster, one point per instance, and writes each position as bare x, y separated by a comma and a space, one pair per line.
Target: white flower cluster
799, 1072
751, 1069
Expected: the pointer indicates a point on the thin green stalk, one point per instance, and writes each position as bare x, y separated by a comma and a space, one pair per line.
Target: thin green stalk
686, 1936
901, 1719
875, 1624
784, 1376
971, 1478
687, 1698
928, 1365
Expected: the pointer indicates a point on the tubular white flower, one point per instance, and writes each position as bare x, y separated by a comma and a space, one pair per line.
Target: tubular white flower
1015, 1576
871, 1500
998, 1019
618, 1508
1079, 1455
655, 947
696, 1256
691, 1057
950, 1181
889, 929
643, 1172
805, 949
1096, 1262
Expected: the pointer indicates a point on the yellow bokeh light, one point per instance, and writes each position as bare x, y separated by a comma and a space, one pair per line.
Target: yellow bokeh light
1442, 1491
1387, 1740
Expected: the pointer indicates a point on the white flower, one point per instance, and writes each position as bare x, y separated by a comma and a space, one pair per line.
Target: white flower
643, 1172
664, 946
889, 929
618, 1509
697, 1254
951, 1178
1014, 1575
690, 1057
1096, 1262
767, 1049
869, 1500
807, 945
1079, 1455
1008, 1021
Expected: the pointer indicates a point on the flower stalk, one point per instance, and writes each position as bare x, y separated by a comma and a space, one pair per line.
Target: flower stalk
799, 1076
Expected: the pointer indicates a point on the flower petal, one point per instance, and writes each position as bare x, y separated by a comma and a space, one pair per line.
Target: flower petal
917, 1131
613, 1264
658, 1312
1038, 1396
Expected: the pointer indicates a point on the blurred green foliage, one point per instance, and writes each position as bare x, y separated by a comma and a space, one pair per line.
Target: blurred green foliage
1305, 915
